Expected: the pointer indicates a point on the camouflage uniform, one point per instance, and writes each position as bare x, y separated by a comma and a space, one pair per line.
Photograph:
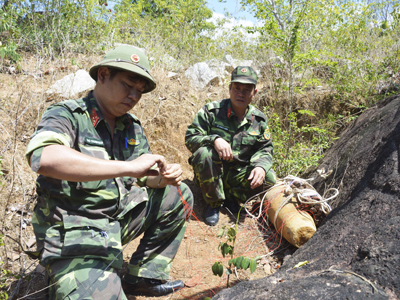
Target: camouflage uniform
80, 227
251, 147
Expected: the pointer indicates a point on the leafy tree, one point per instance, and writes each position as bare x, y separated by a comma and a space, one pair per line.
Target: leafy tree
330, 34
178, 26
53, 27
346, 44
286, 25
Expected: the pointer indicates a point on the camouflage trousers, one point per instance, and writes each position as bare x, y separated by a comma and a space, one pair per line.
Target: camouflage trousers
221, 180
161, 219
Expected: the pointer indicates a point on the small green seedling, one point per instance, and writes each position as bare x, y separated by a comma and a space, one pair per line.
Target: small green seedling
227, 248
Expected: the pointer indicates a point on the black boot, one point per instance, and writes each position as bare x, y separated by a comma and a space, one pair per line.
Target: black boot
150, 287
233, 206
211, 216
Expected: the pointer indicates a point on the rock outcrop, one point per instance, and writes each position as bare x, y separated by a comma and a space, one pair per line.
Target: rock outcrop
355, 253
72, 84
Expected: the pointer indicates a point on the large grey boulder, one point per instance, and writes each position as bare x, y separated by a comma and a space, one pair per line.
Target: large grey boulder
72, 84
355, 253
171, 63
222, 69
214, 71
201, 75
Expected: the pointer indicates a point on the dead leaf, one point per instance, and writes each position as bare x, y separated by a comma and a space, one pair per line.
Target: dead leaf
14, 256
31, 242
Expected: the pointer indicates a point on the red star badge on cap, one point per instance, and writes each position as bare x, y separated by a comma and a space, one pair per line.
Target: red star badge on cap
244, 70
135, 58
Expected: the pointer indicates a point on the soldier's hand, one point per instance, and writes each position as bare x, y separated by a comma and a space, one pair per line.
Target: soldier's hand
141, 165
257, 177
172, 174
223, 149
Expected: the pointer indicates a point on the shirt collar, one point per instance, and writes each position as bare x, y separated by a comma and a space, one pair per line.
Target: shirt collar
231, 113
250, 113
96, 116
93, 109
126, 119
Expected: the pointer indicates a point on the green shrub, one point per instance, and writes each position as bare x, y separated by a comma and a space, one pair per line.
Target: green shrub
296, 148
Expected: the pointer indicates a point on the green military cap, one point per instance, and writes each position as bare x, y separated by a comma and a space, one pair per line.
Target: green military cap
244, 74
127, 58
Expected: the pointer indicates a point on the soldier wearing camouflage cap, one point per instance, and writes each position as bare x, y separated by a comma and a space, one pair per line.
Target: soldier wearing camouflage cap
99, 187
231, 146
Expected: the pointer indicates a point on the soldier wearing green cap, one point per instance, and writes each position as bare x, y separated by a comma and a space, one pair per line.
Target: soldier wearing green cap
231, 146
99, 187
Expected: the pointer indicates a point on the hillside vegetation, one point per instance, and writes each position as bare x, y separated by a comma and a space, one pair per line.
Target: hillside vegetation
322, 63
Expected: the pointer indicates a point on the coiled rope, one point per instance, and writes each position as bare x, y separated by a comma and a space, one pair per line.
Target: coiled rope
302, 190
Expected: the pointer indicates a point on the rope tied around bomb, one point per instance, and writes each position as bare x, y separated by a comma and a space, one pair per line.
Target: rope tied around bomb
303, 191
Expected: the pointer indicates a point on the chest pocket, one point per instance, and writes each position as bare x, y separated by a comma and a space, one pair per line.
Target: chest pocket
222, 131
93, 147
135, 143
249, 140
247, 146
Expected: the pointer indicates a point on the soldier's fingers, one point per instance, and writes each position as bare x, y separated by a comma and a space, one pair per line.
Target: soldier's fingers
162, 165
256, 180
253, 174
173, 168
255, 184
223, 154
179, 180
173, 175
227, 153
175, 181
230, 154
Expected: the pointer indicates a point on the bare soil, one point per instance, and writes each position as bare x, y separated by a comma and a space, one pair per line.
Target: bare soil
199, 251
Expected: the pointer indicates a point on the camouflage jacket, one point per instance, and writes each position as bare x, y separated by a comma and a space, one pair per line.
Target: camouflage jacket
80, 219
250, 140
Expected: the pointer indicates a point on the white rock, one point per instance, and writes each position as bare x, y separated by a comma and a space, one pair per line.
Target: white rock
201, 75
72, 84
172, 75
171, 63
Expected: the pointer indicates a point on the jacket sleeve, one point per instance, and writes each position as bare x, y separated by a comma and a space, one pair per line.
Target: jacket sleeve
263, 155
57, 127
199, 133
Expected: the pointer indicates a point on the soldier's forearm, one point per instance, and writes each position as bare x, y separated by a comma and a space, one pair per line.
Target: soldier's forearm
64, 163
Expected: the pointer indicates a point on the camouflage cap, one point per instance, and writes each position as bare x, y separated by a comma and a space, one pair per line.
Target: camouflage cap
244, 74
127, 58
